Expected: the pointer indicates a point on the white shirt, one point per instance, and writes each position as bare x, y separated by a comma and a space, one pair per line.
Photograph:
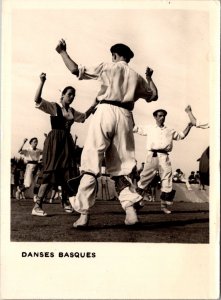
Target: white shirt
159, 138
30, 154
118, 82
51, 109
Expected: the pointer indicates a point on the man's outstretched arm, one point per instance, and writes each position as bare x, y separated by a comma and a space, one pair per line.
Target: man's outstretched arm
70, 64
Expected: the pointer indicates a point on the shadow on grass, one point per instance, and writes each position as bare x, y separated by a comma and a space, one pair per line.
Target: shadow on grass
159, 212
174, 212
48, 216
143, 225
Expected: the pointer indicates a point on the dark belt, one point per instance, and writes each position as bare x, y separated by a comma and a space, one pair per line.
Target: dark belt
127, 105
158, 151
33, 162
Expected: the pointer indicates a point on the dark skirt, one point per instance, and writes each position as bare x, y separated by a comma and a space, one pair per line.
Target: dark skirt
59, 162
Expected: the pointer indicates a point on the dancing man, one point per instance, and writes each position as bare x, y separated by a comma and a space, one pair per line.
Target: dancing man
111, 128
159, 144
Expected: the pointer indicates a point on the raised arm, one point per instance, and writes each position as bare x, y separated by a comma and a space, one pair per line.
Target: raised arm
188, 110
151, 86
187, 129
38, 98
81, 117
25, 140
69, 63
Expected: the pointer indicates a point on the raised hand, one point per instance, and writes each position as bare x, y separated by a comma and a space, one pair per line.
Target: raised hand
61, 46
25, 140
43, 77
188, 109
149, 72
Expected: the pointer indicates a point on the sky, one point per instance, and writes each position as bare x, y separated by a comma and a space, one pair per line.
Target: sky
175, 42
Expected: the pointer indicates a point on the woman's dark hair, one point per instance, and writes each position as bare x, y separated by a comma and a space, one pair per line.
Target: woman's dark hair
32, 139
66, 89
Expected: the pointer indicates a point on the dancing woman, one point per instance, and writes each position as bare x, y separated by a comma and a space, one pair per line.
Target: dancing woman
59, 163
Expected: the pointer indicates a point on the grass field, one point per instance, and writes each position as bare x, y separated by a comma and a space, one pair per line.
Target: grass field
188, 223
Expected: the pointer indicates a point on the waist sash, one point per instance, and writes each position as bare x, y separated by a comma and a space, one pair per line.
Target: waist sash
33, 162
158, 151
127, 105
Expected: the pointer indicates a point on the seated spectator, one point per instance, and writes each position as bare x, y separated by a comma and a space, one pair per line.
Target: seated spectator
179, 177
192, 178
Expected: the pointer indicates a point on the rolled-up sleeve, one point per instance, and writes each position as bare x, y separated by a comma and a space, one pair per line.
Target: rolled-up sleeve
142, 130
90, 72
24, 152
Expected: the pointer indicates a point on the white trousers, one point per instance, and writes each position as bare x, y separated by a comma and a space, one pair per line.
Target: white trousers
161, 163
28, 176
110, 132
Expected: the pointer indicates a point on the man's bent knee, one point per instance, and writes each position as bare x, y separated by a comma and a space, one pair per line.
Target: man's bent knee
73, 183
121, 182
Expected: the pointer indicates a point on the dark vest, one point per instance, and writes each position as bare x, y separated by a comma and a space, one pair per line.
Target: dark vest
59, 122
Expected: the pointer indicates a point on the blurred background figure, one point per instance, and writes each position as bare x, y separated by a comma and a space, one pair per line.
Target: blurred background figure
20, 184
32, 157
153, 186
192, 178
13, 177
197, 176
179, 177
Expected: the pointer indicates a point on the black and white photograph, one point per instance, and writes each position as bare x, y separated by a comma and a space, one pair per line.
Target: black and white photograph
110, 149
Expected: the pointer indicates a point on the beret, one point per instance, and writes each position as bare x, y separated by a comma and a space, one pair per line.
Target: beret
158, 110
122, 50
